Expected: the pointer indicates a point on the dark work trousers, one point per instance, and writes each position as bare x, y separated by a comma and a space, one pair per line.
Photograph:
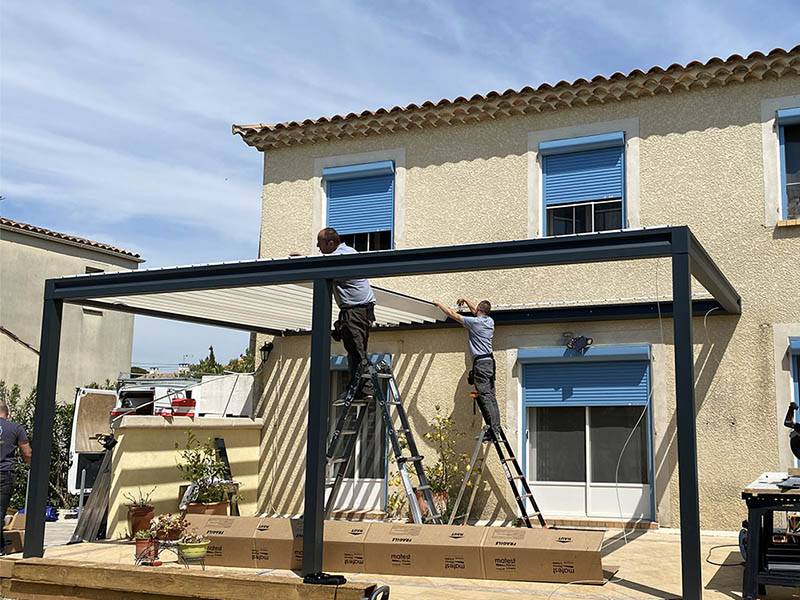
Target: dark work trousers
354, 323
483, 377
6, 486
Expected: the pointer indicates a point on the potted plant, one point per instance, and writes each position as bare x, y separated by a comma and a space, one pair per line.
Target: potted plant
146, 546
140, 511
168, 527
447, 473
193, 546
200, 464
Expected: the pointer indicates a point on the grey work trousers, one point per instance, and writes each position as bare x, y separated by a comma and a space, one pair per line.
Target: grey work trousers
354, 325
483, 378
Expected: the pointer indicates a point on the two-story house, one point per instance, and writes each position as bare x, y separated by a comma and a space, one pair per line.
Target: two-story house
712, 145
100, 341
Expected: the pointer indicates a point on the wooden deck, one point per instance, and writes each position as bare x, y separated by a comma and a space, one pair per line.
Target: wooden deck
649, 567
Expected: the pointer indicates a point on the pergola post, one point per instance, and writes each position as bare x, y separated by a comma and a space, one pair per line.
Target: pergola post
43, 418
691, 579
319, 401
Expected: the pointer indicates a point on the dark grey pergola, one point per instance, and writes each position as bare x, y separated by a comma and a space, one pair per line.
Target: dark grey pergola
678, 243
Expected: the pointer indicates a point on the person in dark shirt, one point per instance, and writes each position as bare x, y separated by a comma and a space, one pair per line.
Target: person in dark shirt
12, 436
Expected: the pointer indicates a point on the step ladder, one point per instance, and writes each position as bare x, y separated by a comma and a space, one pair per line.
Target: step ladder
516, 479
342, 445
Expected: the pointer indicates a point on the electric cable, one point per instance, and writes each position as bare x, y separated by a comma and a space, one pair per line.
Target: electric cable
716, 564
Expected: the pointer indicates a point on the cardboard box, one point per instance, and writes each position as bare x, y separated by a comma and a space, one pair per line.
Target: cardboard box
278, 544
231, 539
14, 540
552, 555
453, 551
424, 550
344, 546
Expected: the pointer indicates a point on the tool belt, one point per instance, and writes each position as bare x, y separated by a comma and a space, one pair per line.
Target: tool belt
471, 374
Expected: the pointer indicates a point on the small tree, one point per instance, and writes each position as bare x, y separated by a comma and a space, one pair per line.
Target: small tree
200, 464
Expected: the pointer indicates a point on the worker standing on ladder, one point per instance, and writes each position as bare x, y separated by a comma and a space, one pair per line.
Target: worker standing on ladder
480, 329
356, 302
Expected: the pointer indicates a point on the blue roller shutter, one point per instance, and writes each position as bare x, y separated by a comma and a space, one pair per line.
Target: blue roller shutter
583, 176
584, 383
362, 202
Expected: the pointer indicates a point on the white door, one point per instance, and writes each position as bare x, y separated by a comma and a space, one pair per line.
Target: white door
364, 486
574, 463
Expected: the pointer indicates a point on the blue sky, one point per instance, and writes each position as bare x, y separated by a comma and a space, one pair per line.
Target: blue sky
115, 117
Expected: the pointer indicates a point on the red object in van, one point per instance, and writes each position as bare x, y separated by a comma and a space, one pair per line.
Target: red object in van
120, 412
183, 402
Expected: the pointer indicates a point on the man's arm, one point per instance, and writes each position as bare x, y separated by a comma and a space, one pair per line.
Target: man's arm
450, 312
470, 305
25, 450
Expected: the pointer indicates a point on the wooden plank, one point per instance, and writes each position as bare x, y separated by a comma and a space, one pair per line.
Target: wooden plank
7, 567
27, 590
215, 585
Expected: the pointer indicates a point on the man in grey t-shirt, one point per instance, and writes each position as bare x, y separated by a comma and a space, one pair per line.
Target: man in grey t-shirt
480, 331
356, 302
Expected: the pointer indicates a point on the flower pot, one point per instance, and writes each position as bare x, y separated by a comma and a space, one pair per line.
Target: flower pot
193, 551
211, 508
146, 550
139, 518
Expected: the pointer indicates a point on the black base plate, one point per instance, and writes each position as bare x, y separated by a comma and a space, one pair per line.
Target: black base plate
324, 579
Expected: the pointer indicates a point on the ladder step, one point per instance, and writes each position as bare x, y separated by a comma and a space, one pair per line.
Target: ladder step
423, 487
348, 432
517, 477
404, 459
353, 403
336, 461
512, 459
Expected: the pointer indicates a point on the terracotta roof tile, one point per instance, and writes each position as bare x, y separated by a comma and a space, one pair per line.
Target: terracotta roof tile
10, 224
581, 92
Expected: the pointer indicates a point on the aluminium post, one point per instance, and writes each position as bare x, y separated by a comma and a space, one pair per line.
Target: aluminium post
691, 576
318, 403
43, 417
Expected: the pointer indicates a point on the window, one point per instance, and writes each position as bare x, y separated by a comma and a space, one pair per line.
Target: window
579, 411
360, 204
583, 183
789, 136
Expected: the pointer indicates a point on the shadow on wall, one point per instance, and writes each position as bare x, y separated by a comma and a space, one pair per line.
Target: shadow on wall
284, 406
713, 340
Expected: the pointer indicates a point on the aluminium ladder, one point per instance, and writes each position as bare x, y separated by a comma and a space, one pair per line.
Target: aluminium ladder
516, 478
341, 448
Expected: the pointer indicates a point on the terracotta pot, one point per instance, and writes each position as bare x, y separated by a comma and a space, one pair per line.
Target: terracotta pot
146, 550
139, 518
440, 499
211, 508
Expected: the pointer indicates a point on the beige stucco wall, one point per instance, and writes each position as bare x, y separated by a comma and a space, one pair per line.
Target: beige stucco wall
95, 345
701, 163
147, 455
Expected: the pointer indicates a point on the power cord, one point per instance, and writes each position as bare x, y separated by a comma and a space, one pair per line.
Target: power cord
716, 564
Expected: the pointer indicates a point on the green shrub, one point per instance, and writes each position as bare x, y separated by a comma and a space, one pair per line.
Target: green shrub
22, 412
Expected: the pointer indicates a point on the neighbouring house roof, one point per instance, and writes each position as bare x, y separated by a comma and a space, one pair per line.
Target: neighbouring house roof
26, 228
546, 97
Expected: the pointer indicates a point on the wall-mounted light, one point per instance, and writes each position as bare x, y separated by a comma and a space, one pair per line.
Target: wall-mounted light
265, 350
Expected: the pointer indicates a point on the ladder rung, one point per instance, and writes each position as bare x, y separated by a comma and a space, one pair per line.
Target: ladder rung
423, 487
353, 403
409, 458
384, 375
393, 403
524, 496
336, 461
348, 432
520, 477
512, 459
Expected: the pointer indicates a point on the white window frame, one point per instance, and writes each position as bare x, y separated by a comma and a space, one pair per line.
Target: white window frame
537, 223
320, 198
771, 151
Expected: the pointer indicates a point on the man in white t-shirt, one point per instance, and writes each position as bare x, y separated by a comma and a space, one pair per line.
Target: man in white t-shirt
480, 330
356, 302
